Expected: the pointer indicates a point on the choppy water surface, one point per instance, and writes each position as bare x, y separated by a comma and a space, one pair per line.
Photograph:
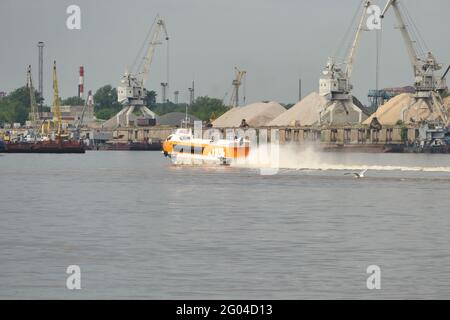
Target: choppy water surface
139, 227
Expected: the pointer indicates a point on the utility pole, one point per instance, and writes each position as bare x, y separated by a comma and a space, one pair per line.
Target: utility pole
41, 71
299, 89
164, 86
192, 94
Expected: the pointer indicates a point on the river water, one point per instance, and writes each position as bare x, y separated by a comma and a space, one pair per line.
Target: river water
140, 227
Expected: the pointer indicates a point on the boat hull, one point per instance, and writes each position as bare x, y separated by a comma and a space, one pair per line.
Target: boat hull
133, 146
182, 145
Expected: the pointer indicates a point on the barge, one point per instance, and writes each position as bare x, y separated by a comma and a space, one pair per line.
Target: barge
61, 146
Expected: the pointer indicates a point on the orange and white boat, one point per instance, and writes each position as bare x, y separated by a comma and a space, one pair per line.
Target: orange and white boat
182, 147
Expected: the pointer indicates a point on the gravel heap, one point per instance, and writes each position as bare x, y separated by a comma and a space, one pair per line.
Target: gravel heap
304, 112
414, 111
307, 112
255, 114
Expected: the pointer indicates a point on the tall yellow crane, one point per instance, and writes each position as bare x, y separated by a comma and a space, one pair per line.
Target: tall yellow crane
57, 117
234, 99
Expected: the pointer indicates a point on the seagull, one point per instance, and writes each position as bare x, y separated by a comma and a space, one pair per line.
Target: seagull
357, 175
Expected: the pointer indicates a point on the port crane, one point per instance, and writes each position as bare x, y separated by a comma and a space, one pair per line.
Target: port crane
335, 81
234, 98
35, 117
55, 124
334, 84
131, 93
89, 103
429, 86
57, 116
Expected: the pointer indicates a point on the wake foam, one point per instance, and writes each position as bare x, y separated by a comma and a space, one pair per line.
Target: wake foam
310, 158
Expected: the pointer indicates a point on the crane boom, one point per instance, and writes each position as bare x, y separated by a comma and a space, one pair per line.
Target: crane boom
160, 27
334, 84
56, 103
87, 104
356, 41
234, 99
34, 109
426, 81
404, 31
445, 73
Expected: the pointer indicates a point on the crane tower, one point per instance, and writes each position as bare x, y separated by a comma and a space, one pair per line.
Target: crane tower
234, 99
335, 85
57, 117
427, 104
34, 108
132, 92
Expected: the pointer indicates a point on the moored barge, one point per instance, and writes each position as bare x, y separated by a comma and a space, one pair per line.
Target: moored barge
58, 146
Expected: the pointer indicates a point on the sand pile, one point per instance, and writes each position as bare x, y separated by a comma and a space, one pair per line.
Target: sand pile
447, 102
405, 108
255, 114
391, 112
308, 111
303, 113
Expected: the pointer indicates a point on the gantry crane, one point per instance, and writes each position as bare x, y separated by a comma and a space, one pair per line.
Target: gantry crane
334, 84
132, 91
428, 85
234, 99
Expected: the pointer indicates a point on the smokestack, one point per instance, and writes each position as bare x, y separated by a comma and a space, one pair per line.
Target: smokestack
90, 101
81, 83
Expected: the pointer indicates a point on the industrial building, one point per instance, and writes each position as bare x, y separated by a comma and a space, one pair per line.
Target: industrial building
176, 119
379, 97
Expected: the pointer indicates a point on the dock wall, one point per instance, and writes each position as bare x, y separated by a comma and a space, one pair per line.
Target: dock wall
335, 135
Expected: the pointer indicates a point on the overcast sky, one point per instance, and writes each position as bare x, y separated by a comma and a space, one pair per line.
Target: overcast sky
276, 41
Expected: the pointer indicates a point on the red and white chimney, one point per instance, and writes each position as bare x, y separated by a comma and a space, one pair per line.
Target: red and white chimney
81, 83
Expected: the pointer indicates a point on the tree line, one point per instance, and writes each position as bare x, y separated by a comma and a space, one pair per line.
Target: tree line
15, 107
